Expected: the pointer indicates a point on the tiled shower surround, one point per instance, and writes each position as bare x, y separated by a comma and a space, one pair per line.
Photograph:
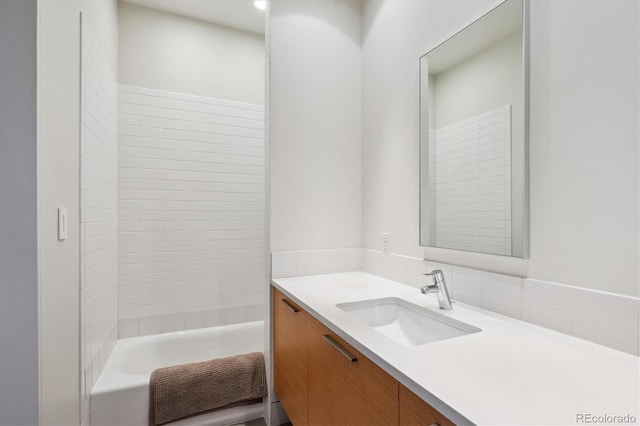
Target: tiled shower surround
98, 214
470, 176
191, 202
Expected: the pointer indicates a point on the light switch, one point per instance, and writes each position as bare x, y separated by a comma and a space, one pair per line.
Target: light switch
62, 223
386, 237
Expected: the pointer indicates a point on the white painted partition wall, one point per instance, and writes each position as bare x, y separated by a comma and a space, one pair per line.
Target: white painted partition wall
58, 185
315, 128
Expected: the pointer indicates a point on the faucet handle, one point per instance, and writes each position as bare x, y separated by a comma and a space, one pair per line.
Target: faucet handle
433, 288
439, 287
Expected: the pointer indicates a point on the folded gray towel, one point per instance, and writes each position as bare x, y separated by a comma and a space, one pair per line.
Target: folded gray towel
186, 390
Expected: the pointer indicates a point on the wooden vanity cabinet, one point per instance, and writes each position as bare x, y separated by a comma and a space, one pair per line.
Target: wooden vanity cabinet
322, 380
346, 388
290, 357
415, 412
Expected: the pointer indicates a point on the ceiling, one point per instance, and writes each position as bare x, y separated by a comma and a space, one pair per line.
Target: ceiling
239, 14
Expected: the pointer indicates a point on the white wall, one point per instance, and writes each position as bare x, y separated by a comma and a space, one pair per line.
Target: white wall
584, 150
164, 51
315, 104
58, 185
191, 207
584, 144
98, 214
18, 255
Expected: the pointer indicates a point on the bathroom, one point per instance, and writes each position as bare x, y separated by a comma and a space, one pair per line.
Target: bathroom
331, 126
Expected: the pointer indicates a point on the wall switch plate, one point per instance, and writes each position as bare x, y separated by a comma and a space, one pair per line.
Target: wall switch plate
386, 239
62, 223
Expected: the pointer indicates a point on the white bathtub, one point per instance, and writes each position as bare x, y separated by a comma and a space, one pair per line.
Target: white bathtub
121, 394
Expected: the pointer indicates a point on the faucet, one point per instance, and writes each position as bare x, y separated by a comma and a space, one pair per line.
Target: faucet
439, 287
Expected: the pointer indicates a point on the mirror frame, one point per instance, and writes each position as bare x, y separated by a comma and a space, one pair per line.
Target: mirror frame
496, 263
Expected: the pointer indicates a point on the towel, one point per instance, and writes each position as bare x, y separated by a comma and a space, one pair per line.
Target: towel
186, 390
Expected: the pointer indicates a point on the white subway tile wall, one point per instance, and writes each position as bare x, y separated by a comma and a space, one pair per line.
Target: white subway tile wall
98, 214
607, 319
470, 177
191, 211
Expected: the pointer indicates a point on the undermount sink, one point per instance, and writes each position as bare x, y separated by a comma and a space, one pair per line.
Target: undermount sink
406, 323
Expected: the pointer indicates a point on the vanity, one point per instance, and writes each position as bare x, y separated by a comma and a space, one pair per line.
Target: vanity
323, 380
334, 364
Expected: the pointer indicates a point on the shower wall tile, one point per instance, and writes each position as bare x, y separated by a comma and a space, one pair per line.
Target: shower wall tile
254, 312
193, 320
128, 327
191, 208
172, 322
148, 324
98, 213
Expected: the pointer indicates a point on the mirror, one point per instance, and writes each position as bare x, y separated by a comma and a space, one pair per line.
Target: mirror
474, 137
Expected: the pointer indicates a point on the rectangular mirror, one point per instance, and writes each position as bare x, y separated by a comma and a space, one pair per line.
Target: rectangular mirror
474, 137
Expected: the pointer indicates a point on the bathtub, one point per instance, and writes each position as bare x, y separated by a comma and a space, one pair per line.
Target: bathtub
121, 394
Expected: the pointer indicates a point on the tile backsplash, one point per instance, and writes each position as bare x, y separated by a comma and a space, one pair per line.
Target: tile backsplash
607, 319
313, 262
191, 211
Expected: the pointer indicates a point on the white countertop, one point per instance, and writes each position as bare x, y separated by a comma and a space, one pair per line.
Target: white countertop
511, 372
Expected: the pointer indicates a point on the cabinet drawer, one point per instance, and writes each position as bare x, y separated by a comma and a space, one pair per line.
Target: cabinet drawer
290, 357
346, 388
415, 412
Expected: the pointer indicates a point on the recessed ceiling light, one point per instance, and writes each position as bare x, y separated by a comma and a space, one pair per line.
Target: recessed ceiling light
260, 4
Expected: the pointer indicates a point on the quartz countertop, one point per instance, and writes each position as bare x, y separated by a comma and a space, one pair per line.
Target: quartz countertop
510, 373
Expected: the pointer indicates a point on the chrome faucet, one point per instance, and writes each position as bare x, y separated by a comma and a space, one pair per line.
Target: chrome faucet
439, 287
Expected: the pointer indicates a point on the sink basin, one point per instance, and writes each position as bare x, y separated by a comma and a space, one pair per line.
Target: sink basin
406, 323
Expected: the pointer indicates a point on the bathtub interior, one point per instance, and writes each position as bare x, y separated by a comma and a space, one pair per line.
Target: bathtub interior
121, 394
164, 350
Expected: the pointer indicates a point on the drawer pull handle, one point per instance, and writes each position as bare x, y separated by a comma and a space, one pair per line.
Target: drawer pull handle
340, 348
289, 305
435, 424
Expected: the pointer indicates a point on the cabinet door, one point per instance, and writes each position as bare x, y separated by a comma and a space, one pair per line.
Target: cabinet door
345, 388
415, 412
290, 357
